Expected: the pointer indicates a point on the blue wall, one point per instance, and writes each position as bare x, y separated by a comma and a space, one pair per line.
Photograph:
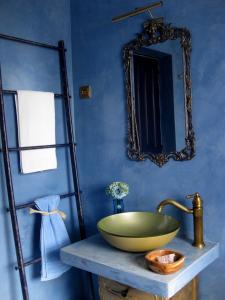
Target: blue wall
26, 67
101, 123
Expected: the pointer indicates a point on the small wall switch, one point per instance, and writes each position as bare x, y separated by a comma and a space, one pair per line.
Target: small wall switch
85, 92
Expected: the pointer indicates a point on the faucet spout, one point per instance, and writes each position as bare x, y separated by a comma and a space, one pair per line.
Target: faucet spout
196, 211
173, 203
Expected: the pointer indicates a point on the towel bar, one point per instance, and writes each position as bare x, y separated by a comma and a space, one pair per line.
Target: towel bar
29, 42
14, 92
31, 203
29, 262
39, 147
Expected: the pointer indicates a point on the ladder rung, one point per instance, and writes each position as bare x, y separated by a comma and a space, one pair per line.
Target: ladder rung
13, 92
30, 204
29, 42
39, 147
30, 262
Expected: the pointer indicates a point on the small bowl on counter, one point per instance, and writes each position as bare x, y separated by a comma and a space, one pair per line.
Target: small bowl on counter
165, 261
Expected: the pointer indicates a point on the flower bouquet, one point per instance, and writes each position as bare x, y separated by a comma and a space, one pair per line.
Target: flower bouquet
118, 190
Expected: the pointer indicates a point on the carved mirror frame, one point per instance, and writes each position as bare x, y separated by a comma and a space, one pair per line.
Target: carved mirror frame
154, 32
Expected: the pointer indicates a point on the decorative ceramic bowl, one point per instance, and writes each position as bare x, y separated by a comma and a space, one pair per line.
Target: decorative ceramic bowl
157, 261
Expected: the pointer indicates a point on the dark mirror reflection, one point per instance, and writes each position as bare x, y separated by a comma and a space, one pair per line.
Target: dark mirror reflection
159, 93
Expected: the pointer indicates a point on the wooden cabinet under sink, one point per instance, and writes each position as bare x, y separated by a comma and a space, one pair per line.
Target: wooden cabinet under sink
112, 290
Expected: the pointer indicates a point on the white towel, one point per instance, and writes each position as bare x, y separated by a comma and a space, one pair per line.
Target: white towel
36, 127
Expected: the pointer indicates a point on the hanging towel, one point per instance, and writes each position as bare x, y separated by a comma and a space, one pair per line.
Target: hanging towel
36, 127
53, 237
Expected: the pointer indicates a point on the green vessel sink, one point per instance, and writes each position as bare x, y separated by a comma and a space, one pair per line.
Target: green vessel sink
138, 231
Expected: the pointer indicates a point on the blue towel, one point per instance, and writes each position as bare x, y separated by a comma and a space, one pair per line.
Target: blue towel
53, 237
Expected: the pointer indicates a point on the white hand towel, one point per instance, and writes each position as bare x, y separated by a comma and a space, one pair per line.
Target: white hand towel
36, 127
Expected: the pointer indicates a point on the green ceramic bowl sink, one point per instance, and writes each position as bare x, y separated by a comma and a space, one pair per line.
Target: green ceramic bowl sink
138, 231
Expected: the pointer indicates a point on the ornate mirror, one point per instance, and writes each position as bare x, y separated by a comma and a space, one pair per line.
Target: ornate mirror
159, 101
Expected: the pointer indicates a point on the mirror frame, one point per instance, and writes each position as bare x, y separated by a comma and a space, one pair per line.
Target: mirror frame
156, 31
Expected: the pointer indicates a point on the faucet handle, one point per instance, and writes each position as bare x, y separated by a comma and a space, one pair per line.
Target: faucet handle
191, 197
197, 200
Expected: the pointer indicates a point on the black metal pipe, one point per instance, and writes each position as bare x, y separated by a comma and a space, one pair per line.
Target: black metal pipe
29, 42
14, 92
29, 262
32, 261
73, 156
31, 203
65, 88
11, 199
38, 147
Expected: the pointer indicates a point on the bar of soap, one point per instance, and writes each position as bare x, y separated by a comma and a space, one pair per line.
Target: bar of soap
166, 259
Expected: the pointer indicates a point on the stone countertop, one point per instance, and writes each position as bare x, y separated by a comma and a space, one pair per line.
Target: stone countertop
96, 256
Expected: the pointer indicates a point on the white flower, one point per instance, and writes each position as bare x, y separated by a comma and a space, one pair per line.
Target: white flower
117, 190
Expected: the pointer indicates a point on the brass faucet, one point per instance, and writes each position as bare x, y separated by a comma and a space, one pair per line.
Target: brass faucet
196, 211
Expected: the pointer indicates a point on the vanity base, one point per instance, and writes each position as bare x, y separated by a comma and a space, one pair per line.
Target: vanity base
96, 256
112, 290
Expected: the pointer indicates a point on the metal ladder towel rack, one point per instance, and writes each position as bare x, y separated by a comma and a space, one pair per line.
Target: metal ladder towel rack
21, 263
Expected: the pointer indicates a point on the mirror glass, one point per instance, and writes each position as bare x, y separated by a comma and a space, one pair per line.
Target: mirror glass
159, 97
159, 92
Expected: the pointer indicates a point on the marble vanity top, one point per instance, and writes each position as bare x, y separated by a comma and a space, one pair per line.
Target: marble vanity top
96, 256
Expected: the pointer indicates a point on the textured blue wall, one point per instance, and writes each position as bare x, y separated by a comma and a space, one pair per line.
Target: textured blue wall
26, 67
101, 123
